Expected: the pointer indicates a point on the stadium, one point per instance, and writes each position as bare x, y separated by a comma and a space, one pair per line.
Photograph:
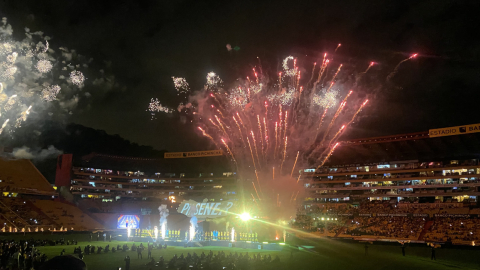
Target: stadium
409, 189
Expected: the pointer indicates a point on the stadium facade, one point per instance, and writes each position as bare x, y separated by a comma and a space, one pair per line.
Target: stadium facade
133, 185
415, 167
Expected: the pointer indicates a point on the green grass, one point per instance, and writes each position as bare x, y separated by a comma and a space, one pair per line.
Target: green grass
326, 254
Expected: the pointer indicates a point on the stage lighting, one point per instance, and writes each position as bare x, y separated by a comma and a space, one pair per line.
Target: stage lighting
245, 216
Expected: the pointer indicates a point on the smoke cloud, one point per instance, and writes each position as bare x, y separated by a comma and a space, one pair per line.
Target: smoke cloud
25, 152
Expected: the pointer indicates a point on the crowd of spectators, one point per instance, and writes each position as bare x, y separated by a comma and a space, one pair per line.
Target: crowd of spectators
191, 261
454, 229
21, 254
386, 227
408, 221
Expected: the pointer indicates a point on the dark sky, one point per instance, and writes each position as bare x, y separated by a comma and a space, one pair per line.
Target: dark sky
150, 41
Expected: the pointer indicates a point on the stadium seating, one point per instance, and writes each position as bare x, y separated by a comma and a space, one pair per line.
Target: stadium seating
67, 215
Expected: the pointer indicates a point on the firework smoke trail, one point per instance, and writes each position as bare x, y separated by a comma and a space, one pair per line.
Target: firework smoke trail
321, 71
4, 125
208, 136
336, 134
321, 119
217, 126
338, 46
358, 111
221, 125
221, 114
276, 139
333, 140
256, 190
239, 129
368, 68
313, 73
261, 134
251, 152
229, 151
284, 153
255, 146
258, 182
280, 126
340, 108
255, 200
328, 155
285, 124
280, 81
296, 196
295, 163
336, 73
23, 117
241, 121
266, 135
390, 76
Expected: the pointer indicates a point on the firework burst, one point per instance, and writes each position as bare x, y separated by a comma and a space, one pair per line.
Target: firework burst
278, 123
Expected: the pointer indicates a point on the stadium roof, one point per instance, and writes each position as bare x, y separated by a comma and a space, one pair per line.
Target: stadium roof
21, 176
412, 146
215, 164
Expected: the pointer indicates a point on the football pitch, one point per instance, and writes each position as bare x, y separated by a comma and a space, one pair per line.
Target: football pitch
315, 254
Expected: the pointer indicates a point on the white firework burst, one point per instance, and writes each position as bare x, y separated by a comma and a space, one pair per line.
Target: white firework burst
50, 93
286, 69
327, 100
213, 79
44, 66
181, 85
155, 106
238, 97
77, 77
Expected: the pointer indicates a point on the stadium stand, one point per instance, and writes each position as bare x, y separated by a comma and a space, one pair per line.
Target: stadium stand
67, 215
21, 176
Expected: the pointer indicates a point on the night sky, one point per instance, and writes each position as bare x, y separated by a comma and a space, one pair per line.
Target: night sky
147, 42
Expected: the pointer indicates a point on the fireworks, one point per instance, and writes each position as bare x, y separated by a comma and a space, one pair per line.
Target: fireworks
238, 97
31, 73
266, 123
50, 93
77, 77
181, 85
213, 79
390, 76
327, 100
155, 106
287, 70
44, 66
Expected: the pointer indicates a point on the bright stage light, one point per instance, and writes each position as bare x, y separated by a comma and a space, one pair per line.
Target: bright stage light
245, 216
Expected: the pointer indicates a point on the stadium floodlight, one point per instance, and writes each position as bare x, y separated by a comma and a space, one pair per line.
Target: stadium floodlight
245, 216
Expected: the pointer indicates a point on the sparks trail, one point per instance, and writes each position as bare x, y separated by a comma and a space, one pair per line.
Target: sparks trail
357, 112
338, 46
342, 105
390, 76
256, 150
229, 151
328, 155
295, 163
256, 190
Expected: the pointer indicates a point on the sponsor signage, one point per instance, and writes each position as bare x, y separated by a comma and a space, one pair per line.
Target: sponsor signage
458, 130
205, 209
210, 153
